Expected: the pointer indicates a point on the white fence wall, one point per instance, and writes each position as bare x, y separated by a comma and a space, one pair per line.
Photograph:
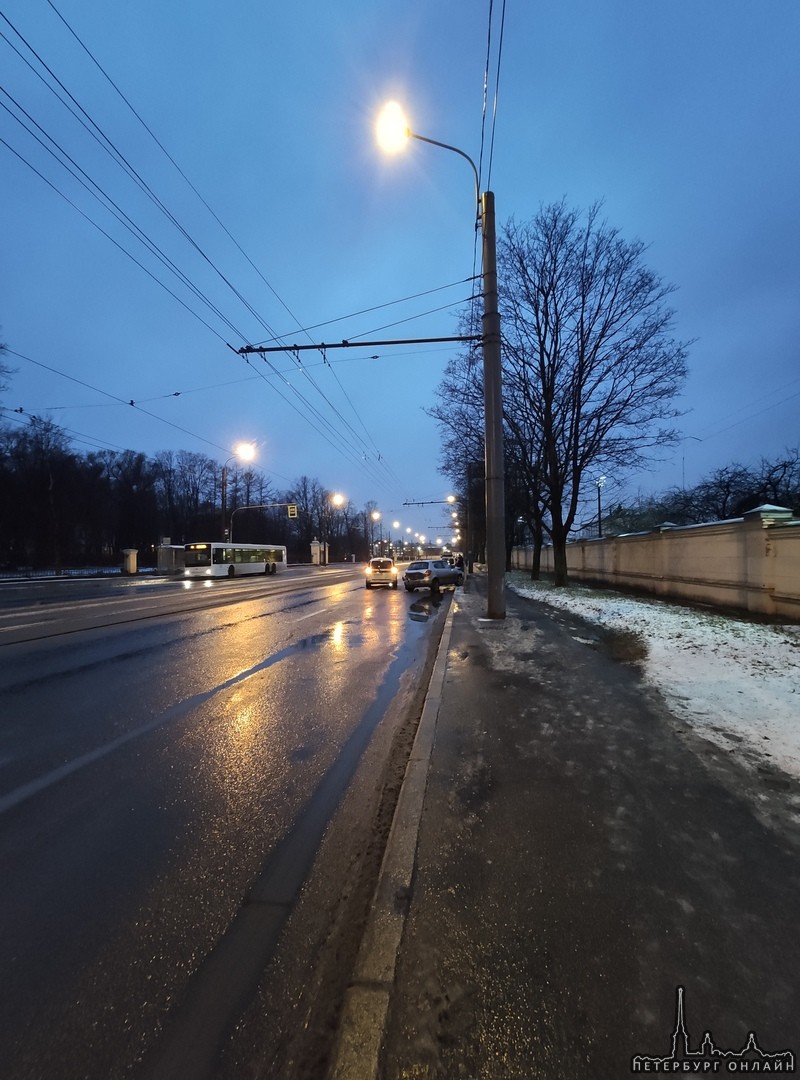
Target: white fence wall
750, 563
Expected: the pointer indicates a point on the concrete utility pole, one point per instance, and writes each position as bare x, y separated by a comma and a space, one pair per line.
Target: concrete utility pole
493, 419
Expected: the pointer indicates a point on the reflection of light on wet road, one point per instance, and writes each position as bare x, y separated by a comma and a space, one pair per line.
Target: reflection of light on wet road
242, 723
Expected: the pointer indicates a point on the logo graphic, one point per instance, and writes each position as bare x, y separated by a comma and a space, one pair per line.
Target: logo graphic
709, 1059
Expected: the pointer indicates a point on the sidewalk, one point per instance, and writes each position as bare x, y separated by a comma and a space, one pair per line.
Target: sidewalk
561, 862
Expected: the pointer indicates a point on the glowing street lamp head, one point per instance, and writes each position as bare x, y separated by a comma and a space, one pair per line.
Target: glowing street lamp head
392, 128
245, 451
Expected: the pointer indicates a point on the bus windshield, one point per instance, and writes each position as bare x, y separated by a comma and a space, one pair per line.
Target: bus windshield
197, 555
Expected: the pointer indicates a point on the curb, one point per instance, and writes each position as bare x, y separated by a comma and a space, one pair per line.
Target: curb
366, 1004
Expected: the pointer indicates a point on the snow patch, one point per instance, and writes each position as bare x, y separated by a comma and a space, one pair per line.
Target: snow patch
736, 682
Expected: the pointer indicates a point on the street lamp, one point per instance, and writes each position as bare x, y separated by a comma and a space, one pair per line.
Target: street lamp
600, 481
393, 134
376, 517
245, 452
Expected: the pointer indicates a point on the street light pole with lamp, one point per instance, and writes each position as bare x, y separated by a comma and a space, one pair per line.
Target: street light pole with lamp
393, 133
375, 517
245, 452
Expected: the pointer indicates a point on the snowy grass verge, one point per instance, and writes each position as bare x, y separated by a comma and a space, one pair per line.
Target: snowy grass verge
736, 682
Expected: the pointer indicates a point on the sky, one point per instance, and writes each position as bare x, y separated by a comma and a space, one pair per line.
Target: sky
246, 162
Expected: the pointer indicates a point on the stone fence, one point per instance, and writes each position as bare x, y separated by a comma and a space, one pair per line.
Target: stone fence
750, 563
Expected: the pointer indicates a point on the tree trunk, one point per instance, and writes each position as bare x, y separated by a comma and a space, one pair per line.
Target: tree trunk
536, 561
560, 573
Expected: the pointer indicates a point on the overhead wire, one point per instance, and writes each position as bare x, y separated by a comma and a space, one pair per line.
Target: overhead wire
109, 237
227, 232
121, 160
369, 310
115, 397
474, 313
496, 93
146, 412
110, 147
109, 204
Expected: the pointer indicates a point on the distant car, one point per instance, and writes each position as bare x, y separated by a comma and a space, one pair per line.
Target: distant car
381, 572
431, 574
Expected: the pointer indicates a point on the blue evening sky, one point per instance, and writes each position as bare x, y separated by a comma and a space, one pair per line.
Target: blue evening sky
681, 115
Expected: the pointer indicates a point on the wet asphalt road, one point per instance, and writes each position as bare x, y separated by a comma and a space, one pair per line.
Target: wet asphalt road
581, 856
170, 763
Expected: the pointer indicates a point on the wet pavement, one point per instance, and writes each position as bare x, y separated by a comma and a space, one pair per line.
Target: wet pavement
575, 860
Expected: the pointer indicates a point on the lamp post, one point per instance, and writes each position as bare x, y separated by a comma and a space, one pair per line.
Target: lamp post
600, 481
241, 452
392, 135
375, 517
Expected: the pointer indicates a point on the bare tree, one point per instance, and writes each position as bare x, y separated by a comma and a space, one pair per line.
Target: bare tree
589, 367
458, 410
5, 369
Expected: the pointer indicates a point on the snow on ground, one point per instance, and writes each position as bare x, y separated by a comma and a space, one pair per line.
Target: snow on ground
736, 682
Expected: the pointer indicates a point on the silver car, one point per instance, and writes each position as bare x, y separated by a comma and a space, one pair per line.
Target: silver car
431, 574
381, 572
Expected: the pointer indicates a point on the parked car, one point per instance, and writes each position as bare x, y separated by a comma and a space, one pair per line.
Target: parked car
431, 574
381, 572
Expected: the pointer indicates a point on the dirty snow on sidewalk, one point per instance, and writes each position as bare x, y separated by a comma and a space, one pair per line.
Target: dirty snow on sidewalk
736, 682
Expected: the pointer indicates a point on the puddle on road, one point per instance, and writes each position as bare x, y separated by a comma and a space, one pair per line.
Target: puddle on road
423, 609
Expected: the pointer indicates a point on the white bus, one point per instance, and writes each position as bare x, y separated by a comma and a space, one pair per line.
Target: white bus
232, 560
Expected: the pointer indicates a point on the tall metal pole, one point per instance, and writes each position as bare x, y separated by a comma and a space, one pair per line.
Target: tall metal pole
223, 500
493, 419
492, 397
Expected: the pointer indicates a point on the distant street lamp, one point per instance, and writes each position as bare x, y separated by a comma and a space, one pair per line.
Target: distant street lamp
245, 452
393, 134
600, 481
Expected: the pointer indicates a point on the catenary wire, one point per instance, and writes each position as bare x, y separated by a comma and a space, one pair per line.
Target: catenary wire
238, 246
120, 159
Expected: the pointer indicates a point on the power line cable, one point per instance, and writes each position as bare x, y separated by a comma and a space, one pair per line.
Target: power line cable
108, 236
108, 145
238, 246
133, 404
113, 208
369, 310
116, 398
496, 93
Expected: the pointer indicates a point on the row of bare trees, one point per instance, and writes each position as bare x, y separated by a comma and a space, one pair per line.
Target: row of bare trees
63, 509
726, 492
